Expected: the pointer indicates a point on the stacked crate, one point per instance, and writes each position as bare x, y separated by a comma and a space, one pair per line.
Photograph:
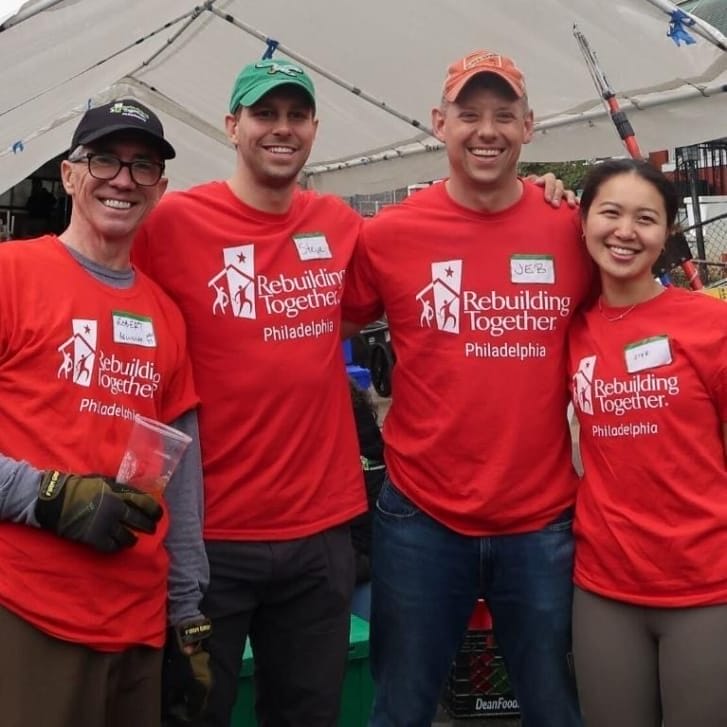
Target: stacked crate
478, 685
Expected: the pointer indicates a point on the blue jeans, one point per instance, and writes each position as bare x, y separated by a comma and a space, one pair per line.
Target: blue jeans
425, 582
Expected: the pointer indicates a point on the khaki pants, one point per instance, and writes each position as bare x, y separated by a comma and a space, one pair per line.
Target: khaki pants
53, 683
643, 667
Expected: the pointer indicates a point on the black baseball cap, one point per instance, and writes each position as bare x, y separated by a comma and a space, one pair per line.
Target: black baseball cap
123, 115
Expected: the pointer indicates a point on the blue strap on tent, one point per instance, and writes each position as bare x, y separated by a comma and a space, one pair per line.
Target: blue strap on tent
677, 31
18, 146
272, 47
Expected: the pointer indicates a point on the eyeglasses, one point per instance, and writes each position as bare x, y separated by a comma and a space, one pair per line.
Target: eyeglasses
107, 166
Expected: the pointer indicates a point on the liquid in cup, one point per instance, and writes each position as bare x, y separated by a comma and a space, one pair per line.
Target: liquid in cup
152, 454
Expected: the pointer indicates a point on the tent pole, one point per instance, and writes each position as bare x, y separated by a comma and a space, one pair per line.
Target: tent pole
322, 71
625, 130
700, 27
619, 118
22, 15
689, 93
542, 127
194, 12
191, 17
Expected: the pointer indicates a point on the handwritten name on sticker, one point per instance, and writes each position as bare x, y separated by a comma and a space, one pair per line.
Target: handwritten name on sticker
532, 269
133, 329
313, 246
647, 354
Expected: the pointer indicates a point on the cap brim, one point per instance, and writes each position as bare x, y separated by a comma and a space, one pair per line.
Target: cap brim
455, 91
261, 89
166, 149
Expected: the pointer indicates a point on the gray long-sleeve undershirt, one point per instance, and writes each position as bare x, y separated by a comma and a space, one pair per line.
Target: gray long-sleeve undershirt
188, 567
19, 484
189, 572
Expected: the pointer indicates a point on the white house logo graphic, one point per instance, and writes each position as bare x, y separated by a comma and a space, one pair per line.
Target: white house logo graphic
79, 353
441, 299
234, 285
583, 384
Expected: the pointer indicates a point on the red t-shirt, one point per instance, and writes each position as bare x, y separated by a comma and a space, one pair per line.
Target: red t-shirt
478, 305
651, 515
261, 297
77, 359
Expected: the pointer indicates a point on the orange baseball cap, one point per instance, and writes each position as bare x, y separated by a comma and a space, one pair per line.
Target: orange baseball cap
482, 61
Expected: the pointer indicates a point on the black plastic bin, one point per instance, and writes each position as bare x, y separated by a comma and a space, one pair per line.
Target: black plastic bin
371, 348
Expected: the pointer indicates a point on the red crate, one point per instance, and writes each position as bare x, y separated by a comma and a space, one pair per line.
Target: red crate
478, 685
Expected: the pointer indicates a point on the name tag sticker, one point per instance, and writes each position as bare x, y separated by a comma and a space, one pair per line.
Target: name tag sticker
312, 246
133, 329
532, 269
647, 354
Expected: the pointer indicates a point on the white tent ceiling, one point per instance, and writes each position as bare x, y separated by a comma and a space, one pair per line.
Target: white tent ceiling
181, 56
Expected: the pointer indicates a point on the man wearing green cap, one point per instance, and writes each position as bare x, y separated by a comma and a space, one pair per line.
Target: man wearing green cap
257, 266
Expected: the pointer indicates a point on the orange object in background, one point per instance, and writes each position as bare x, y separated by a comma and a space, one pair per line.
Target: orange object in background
481, 619
478, 684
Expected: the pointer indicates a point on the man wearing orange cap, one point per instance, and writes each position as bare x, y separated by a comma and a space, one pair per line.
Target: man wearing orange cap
257, 266
480, 489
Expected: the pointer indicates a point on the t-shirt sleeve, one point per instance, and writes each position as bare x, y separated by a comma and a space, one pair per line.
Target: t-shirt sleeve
188, 567
140, 250
10, 284
150, 237
361, 301
180, 396
719, 378
5, 318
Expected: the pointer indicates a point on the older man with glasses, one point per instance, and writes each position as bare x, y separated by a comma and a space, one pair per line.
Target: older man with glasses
86, 342
107, 167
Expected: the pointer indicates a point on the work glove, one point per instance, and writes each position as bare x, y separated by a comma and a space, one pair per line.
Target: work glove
186, 677
94, 510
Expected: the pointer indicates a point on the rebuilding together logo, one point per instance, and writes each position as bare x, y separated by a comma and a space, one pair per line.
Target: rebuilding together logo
83, 364
447, 307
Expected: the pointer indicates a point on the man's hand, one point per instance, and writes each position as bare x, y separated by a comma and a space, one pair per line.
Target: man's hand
554, 189
187, 676
94, 510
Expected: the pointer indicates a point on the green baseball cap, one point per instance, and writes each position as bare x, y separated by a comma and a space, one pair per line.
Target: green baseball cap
257, 79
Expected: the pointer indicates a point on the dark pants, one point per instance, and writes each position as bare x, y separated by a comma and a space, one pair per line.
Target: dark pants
292, 598
46, 682
426, 579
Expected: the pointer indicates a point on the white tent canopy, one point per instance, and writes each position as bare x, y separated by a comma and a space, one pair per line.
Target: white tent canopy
180, 57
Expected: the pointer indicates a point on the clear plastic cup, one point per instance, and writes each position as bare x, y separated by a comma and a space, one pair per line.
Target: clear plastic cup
152, 454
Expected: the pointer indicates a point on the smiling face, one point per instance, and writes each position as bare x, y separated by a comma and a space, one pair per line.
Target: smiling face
626, 227
110, 211
274, 137
484, 131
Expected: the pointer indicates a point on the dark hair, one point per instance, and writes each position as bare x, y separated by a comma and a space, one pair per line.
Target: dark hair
602, 172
